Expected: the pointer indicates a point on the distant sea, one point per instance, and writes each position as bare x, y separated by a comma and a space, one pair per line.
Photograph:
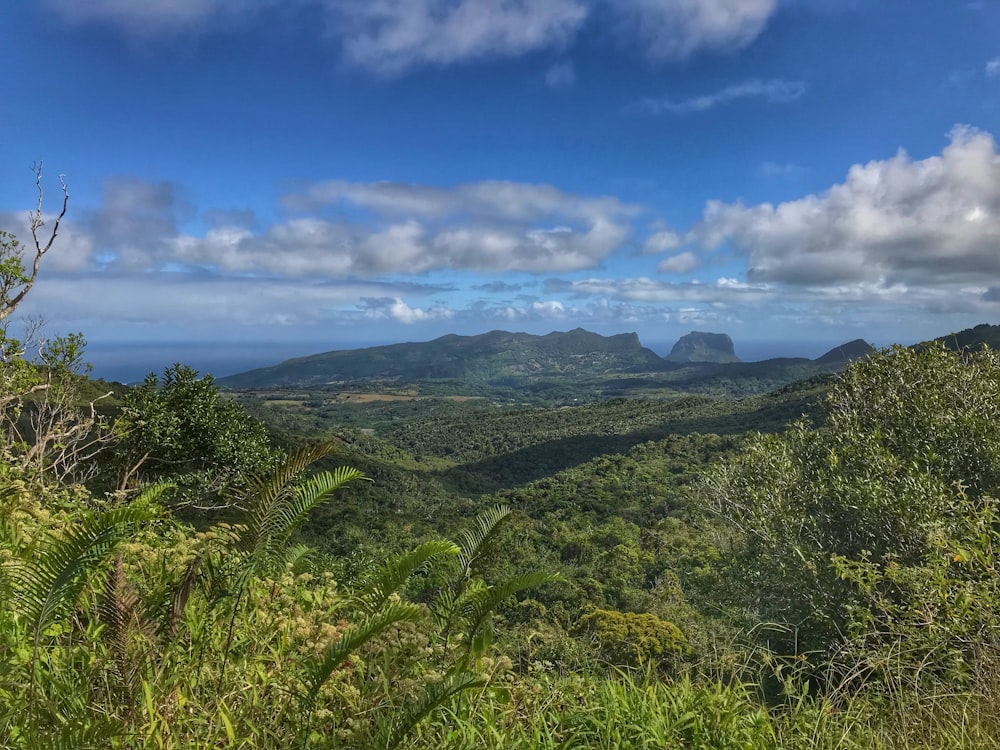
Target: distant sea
131, 362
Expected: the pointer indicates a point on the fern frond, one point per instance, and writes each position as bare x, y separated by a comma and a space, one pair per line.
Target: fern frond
89, 733
476, 542
150, 496
276, 508
477, 607
262, 490
290, 513
320, 670
298, 556
388, 579
181, 595
120, 612
50, 580
396, 729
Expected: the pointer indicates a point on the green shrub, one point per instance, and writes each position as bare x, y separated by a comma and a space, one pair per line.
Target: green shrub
632, 639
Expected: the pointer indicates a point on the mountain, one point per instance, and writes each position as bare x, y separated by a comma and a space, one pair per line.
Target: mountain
841, 355
973, 338
497, 357
698, 346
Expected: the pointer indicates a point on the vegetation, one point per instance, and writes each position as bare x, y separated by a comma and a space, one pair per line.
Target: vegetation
643, 573
558, 368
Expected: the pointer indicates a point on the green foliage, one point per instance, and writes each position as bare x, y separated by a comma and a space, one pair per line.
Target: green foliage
936, 619
874, 537
633, 640
903, 430
274, 506
182, 429
56, 568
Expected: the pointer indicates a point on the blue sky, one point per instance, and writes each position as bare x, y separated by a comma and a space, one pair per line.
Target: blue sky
333, 173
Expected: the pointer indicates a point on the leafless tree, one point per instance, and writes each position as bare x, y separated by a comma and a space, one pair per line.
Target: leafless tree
48, 428
15, 278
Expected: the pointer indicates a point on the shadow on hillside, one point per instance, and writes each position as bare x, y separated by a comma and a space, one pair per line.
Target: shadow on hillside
534, 462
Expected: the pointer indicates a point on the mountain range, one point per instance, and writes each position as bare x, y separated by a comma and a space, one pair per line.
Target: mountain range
501, 359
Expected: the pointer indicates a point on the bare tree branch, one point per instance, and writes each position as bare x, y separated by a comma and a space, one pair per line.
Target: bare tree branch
42, 244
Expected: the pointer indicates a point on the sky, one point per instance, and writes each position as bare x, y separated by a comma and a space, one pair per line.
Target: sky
255, 179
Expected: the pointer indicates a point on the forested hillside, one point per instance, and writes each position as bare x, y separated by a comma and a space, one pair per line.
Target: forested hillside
811, 568
555, 369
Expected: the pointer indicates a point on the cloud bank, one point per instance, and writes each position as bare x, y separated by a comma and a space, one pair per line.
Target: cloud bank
348, 229
897, 222
391, 37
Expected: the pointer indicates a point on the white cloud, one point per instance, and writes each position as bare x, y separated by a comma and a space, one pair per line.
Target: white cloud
993, 68
148, 18
390, 36
676, 29
661, 242
549, 308
643, 289
360, 229
929, 223
403, 313
191, 303
680, 263
491, 199
775, 91
490, 225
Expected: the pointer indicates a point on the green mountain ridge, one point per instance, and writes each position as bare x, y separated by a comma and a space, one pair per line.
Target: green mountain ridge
558, 365
486, 357
975, 338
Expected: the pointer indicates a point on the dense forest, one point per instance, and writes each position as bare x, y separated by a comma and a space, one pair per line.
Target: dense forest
181, 566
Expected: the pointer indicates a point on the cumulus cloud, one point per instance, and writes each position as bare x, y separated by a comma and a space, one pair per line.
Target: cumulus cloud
680, 263
676, 29
389, 36
484, 226
993, 68
358, 229
895, 223
395, 309
775, 91
661, 242
549, 308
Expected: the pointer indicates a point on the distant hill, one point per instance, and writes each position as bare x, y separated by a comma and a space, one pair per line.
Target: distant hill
973, 338
699, 346
494, 357
841, 355
563, 367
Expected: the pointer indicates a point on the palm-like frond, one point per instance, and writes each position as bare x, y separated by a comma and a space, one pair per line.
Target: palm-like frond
123, 619
276, 507
478, 606
395, 730
319, 671
50, 580
299, 557
475, 542
181, 595
388, 579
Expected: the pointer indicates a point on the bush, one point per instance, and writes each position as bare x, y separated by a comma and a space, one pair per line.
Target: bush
633, 640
